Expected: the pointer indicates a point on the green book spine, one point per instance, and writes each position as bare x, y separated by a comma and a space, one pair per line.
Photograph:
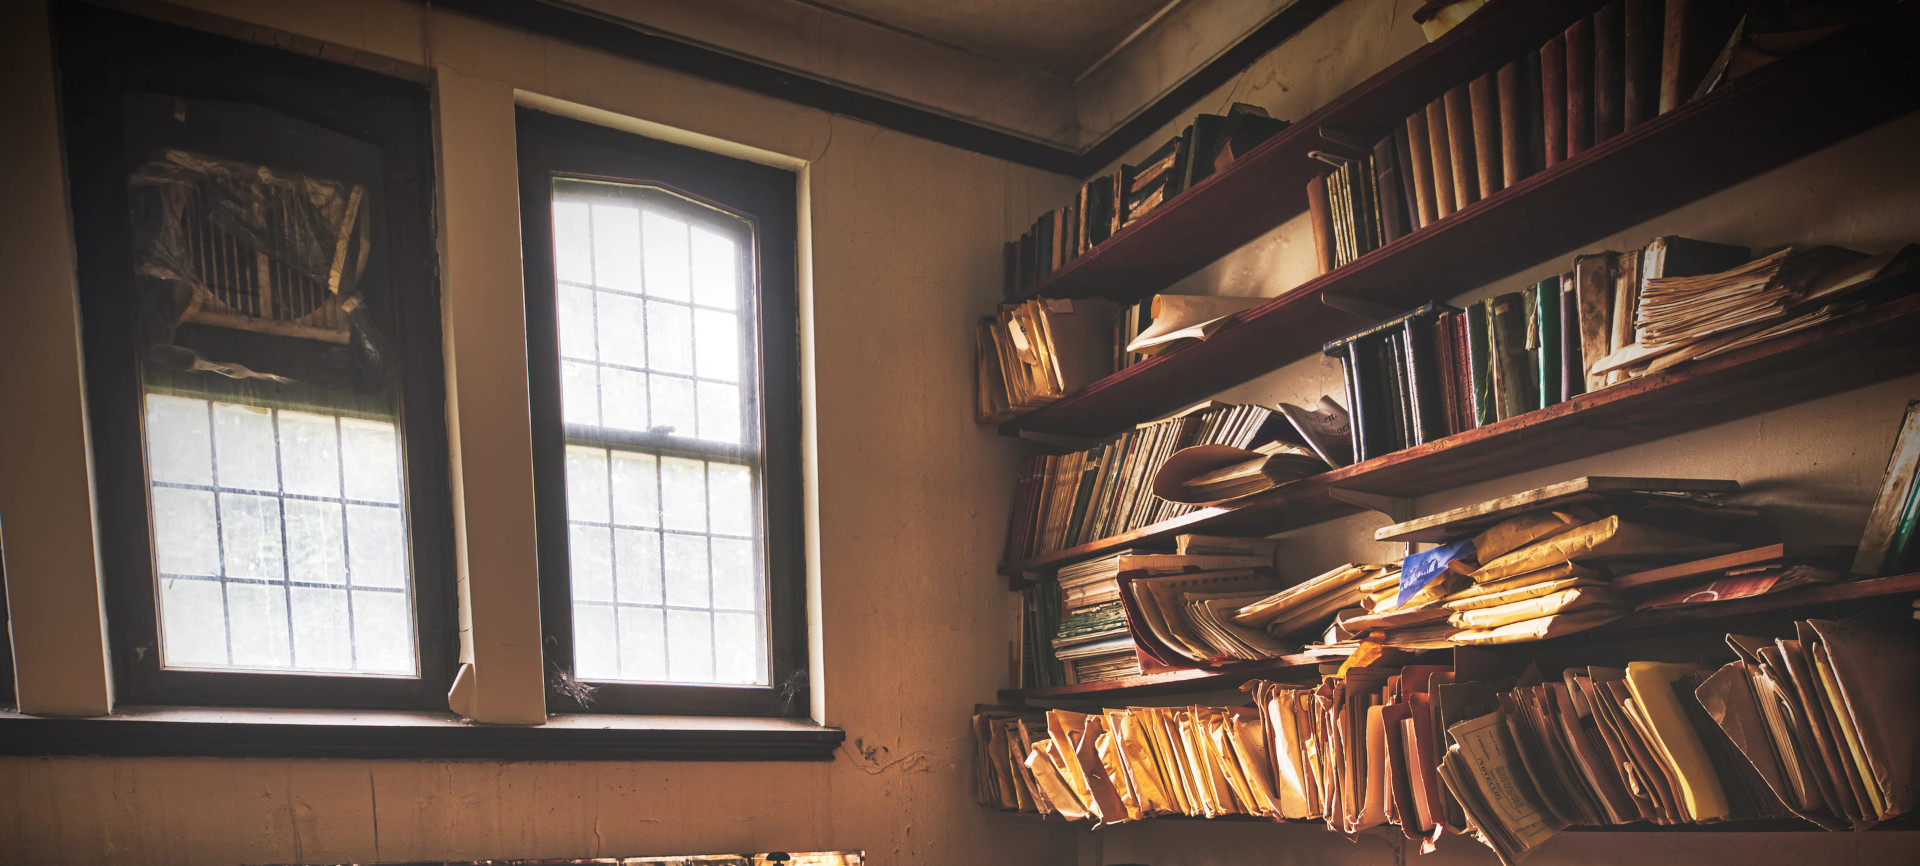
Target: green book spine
1546, 327
1900, 552
1479, 355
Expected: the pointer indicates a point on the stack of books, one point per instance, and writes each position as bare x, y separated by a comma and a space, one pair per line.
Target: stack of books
1110, 202
1063, 500
1628, 62
1814, 726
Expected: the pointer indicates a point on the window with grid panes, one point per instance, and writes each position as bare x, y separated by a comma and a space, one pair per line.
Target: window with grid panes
663, 364
260, 321
660, 465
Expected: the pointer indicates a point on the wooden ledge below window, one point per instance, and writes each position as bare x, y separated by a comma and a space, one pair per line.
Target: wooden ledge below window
257, 733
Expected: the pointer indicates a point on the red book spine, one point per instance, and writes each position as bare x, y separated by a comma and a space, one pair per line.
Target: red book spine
1553, 98
1579, 86
1463, 374
1609, 72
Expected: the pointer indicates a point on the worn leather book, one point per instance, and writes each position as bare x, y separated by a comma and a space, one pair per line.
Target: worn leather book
1609, 71
1482, 94
1626, 303
1463, 373
1420, 164
1479, 359
1403, 169
1387, 191
1573, 382
1692, 35
1507, 326
1320, 213
1460, 143
1513, 123
1444, 366
1593, 298
1641, 25
1579, 86
1441, 154
1553, 99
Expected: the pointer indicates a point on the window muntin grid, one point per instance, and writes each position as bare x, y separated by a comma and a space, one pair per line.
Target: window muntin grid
662, 472
280, 539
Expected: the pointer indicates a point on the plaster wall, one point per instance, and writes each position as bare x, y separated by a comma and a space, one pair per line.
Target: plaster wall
909, 496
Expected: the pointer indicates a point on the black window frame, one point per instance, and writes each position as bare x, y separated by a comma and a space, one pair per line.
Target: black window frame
102, 55
552, 147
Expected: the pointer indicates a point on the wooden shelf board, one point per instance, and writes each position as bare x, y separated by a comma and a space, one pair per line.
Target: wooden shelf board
1870, 347
1829, 92
1176, 682
1267, 187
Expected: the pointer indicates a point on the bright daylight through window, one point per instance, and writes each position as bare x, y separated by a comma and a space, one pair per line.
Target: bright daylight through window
660, 411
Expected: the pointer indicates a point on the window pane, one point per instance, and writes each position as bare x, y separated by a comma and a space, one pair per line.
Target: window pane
254, 557
673, 408
578, 337
179, 442
572, 249
666, 256
665, 560
716, 262
193, 623
669, 338
616, 249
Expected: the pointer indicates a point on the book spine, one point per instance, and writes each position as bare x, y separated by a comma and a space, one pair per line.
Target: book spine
1641, 26
1404, 171
1487, 152
1387, 188
1579, 41
1593, 293
1466, 180
1673, 54
1512, 372
1626, 303
1463, 374
1356, 416
1553, 98
1320, 214
1479, 356
1547, 326
1513, 129
1572, 380
1609, 71
1419, 160
1440, 337
1441, 154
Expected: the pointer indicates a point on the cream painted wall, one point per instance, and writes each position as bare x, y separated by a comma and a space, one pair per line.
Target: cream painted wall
1815, 466
910, 503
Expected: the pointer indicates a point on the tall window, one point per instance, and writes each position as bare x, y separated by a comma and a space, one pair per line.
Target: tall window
261, 332
660, 322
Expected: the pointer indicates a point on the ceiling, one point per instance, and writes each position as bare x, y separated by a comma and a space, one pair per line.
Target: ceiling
1063, 38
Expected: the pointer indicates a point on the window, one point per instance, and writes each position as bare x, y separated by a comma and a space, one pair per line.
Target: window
260, 326
661, 331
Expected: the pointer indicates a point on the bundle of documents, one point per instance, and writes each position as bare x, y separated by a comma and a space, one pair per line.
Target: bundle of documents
1033, 353
1575, 556
1697, 316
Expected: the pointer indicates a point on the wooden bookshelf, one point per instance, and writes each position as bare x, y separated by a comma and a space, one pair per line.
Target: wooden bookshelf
1825, 94
1873, 346
1306, 667
1267, 187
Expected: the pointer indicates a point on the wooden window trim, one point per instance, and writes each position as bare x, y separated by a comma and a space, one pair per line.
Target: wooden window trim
103, 54
413, 735
549, 147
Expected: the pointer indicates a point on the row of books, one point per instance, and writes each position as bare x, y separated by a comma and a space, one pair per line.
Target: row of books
1439, 370
1110, 202
1062, 500
1628, 62
1817, 725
